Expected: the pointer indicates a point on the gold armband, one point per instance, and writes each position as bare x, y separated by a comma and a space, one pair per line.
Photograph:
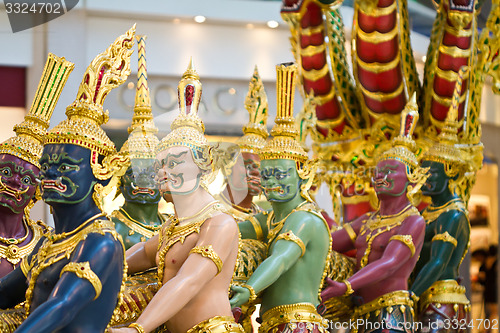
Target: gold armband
445, 237
406, 240
349, 290
257, 227
138, 327
290, 236
208, 252
83, 271
350, 231
25, 266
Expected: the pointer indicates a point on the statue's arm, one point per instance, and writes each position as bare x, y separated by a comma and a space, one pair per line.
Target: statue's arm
442, 246
255, 227
221, 233
398, 251
72, 293
142, 256
285, 252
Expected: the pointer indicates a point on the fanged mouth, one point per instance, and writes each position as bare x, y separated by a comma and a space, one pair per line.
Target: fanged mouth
54, 184
380, 182
141, 190
12, 192
274, 189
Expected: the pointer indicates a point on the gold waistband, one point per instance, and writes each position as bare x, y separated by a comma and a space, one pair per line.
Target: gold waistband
389, 301
444, 292
218, 324
292, 313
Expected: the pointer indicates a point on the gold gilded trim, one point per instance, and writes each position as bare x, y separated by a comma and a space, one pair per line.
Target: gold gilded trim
312, 50
350, 231
444, 292
376, 37
445, 237
454, 51
290, 236
315, 74
380, 11
406, 240
377, 67
458, 32
312, 30
380, 96
83, 271
292, 313
208, 252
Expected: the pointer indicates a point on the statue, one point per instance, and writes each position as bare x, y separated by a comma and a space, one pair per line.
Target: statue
447, 234
291, 277
196, 252
244, 185
138, 219
20, 168
73, 278
388, 241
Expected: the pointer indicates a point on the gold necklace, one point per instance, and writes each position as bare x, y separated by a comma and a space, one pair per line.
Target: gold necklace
51, 252
15, 241
277, 226
55, 237
14, 253
389, 222
185, 218
178, 233
137, 226
431, 213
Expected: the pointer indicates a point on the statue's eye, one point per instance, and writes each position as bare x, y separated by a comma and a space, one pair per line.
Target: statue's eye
45, 167
66, 167
26, 180
6, 172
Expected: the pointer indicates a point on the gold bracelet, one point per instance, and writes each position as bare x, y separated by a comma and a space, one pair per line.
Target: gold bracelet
83, 271
445, 237
138, 327
349, 290
253, 295
290, 236
406, 240
350, 232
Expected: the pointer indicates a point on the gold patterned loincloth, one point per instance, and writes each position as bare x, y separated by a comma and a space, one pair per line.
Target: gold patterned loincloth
392, 311
444, 292
293, 315
218, 324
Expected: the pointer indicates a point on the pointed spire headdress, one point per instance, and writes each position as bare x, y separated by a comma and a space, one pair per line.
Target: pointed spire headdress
446, 151
142, 141
85, 115
255, 131
188, 128
284, 144
27, 144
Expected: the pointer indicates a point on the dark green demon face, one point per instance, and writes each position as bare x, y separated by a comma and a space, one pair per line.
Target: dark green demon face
17, 182
438, 181
138, 184
66, 174
280, 180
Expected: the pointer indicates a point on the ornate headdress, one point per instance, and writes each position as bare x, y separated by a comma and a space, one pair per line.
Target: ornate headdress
284, 144
27, 144
446, 151
404, 146
188, 128
142, 141
86, 115
255, 132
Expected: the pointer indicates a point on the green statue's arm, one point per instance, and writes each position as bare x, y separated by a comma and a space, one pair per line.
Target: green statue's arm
256, 228
142, 256
283, 256
441, 250
195, 273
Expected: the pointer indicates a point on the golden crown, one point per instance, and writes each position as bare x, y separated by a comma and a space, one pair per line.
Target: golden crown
142, 141
27, 144
403, 145
85, 115
284, 144
446, 151
187, 128
255, 132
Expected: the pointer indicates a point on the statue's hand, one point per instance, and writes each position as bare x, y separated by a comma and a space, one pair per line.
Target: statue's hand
334, 289
240, 296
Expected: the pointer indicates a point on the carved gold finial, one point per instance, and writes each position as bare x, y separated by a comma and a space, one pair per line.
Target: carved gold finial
187, 128
27, 144
142, 141
446, 151
255, 131
85, 115
284, 144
